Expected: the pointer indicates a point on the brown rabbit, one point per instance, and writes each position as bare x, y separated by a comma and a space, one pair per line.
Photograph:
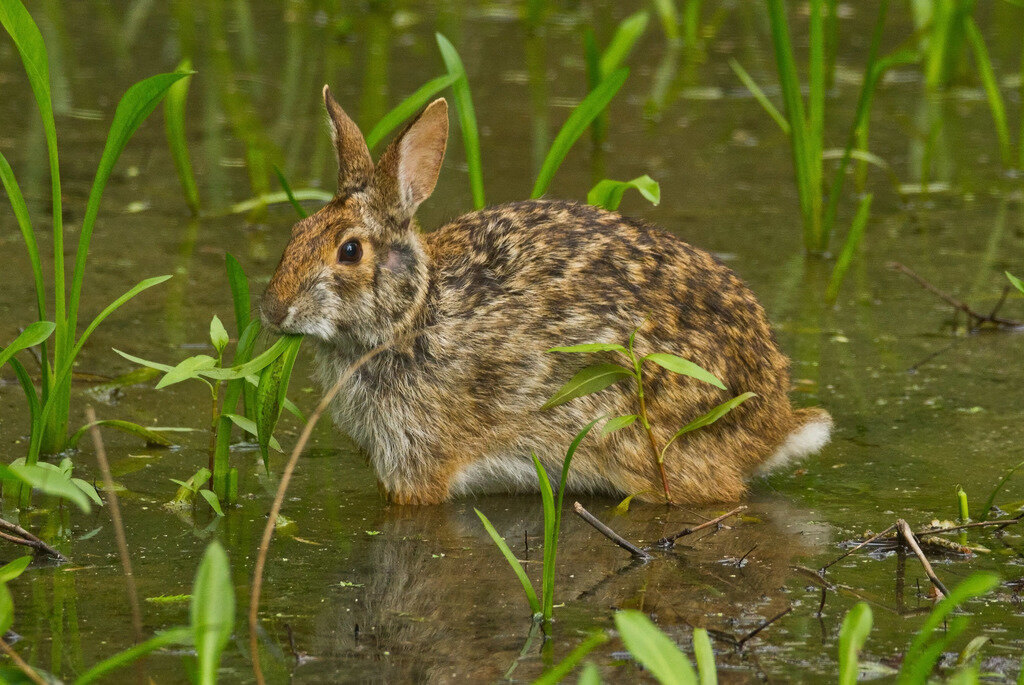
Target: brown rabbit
452, 405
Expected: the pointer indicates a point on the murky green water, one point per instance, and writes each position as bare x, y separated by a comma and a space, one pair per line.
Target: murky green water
371, 592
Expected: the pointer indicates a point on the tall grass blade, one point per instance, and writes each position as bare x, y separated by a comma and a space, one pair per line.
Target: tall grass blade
407, 107
467, 118
550, 549
654, 649
852, 637
591, 106
240, 298
626, 35
850, 245
517, 567
270, 393
174, 125
704, 655
28, 236
563, 668
668, 15
136, 104
300, 195
174, 636
996, 104
289, 194
759, 95
990, 502
212, 611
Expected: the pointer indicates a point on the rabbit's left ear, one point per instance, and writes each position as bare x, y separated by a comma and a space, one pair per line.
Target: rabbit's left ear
355, 166
407, 171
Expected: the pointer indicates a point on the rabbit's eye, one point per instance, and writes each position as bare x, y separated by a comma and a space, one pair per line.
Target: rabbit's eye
350, 252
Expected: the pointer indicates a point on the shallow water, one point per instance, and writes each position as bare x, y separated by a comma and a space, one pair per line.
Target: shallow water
372, 592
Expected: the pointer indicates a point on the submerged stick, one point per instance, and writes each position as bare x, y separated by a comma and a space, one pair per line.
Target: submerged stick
115, 516
604, 530
765, 624
20, 536
976, 317
908, 535
670, 540
850, 551
275, 509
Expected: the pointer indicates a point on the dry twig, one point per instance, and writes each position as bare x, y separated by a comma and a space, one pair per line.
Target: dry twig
20, 536
975, 317
670, 540
908, 535
609, 533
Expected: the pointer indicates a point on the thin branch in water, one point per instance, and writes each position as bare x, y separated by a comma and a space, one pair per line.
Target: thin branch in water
999, 524
20, 536
755, 631
670, 540
20, 663
115, 516
850, 551
275, 509
604, 530
975, 317
908, 535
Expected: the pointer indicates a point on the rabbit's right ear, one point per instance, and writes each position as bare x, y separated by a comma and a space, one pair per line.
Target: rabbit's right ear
407, 171
355, 166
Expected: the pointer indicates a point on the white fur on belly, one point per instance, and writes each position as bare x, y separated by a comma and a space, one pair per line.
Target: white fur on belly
807, 439
516, 474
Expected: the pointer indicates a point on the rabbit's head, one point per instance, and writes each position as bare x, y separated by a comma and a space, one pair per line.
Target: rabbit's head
356, 271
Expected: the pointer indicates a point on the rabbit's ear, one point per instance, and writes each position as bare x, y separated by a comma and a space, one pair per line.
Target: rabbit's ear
408, 169
355, 166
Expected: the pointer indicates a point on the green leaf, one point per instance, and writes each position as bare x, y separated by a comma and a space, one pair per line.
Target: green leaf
684, 367
174, 636
254, 365
517, 568
151, 437
239, 285
581, 117
759, 95
626, 35
249, 426
143, 362
270, 394
302, 194
174, 126
467, 118
562, 669
30, 337
713, 415
618, 423
590, 675
187, 369
211, 499
991, 84
135, 105
995, 491
850, 245
13, 569
212, 611
6, 608
409, 106
51, 481
622, 508
608, 193
87, 487
1017, 283
591, 347
289, 194
27, 234
587, 381
218, 334
550, 539
704, 655
654, 649
852, 637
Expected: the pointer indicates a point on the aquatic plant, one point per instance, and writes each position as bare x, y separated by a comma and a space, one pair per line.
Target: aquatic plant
599, 376
544, 607
259, 382
49, 409
608, 193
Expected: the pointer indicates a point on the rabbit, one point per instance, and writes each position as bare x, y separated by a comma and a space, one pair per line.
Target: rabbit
466, 313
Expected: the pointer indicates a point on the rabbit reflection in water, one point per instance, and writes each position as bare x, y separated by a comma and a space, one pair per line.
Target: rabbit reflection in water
451, 406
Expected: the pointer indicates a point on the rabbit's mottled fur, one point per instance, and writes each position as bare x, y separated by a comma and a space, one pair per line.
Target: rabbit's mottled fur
452, 405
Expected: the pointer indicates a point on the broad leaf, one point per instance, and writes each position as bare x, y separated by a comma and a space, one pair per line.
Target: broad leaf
654, 649
270, 394
591, 347
713, 415
1017, 283
13, 569
211, 499
684, 367
852, 637
6, 609
143, 362
30, 337
212, 611
618, 423
608, 193
704, 655
253, 366
626, 35
52, 482
87, 487
187, 369
249, 426
589, 380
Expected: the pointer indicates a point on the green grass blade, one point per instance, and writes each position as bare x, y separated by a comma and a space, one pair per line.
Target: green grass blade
608, 193
684, 367
563, 668
240, 298
287, 189
467, 118
212, 611
654, 649
626, 36
136, 104
174, 636
30, 337
302, 194
29, 41
174, 125
517, 567
852, 637
668, 15
29, 237
990, 502
550, 540
704, 655
254, 365
270, 393
29, 388
850, 245
996, 104
591, 106
709, 418
151, 437
816, 89
759, 95
407, 107
1017, 283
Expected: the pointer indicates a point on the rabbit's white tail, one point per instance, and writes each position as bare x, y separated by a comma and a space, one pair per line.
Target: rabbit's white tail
814, 428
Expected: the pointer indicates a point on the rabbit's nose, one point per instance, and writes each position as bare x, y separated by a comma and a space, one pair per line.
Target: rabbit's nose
273, 310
